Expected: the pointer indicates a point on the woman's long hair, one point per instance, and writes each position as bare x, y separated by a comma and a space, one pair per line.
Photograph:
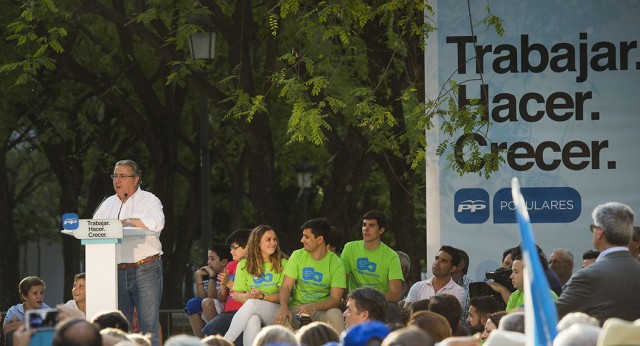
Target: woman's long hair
255, 262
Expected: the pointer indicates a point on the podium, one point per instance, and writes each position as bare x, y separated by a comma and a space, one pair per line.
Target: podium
100, 237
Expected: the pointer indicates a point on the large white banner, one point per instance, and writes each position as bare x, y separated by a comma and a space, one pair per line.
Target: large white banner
562, 89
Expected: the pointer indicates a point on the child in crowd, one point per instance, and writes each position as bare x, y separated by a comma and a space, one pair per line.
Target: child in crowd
31, 290
206, 305
79, 294
237, 242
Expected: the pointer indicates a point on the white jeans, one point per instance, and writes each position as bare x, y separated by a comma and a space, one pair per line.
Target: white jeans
249, 319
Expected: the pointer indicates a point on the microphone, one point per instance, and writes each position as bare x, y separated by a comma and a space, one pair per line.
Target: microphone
121, 204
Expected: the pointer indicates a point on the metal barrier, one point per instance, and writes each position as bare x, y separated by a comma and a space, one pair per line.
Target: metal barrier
174, 322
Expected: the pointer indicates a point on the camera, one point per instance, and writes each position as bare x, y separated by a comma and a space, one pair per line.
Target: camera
303, 319
41, 318
501, 276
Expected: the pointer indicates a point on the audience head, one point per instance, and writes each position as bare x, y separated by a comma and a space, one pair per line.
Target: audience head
507, 258
446, 261
420, 305
460, 341
318, 227
239, 236
221, 251
377, 215
237, 241
612, 225
405, 264
111, 319
493, 322
334, 241
76, 332
316, 334
618, 332
275, 334
634, 243
589, 257
366, 334
140, 339
464, 262
433, 323
578, 334
479, 310
365, 304
216, 340
183, 340
31, 290
112, 336
448, 306
78, 292
408, 336
263, 242
577, 317
561, 262
505, 338
513, 321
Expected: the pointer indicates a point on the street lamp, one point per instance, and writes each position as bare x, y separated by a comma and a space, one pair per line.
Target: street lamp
202, 45
304, 171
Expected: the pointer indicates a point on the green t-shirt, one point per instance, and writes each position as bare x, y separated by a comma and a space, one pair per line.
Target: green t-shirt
516, 299
314, 279
269, 282
373, 268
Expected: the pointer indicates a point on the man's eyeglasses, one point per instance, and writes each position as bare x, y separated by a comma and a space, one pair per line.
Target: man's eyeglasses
232, 248
593, 227
557, 262
121, 176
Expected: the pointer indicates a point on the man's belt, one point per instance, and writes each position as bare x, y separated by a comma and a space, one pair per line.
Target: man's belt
139, 263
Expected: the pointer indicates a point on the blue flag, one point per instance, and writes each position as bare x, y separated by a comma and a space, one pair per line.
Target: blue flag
541, 316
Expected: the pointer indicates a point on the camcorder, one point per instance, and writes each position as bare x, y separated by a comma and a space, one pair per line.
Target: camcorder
501, 276
40, 319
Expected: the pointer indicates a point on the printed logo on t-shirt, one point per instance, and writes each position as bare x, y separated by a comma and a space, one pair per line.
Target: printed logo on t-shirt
264, 278
309, 273
364, 264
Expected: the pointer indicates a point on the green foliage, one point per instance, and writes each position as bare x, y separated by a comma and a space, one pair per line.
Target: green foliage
493, 21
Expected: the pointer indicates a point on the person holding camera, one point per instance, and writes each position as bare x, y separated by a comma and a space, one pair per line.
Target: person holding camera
319, 278
257, 285
206, 305
515, 300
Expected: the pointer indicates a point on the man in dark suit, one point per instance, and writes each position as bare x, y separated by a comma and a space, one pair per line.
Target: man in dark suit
607, 288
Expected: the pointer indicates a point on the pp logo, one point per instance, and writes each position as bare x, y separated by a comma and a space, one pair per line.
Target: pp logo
470, 205
268, 277
364, 264
310, 274
70, 221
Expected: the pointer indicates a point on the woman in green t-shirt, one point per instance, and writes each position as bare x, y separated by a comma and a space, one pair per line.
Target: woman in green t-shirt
257, 285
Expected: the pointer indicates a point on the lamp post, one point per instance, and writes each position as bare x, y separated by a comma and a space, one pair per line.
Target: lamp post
304, 171
202, 45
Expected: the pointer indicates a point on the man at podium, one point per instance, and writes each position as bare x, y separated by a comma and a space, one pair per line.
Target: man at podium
138, 256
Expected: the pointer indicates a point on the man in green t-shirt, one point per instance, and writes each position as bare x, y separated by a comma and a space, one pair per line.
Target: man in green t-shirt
370, 262
319, 279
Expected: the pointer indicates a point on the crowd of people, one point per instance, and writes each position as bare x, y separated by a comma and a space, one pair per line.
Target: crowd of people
251, 293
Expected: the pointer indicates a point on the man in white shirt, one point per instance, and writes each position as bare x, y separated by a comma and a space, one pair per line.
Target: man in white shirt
139, 262
447, 260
